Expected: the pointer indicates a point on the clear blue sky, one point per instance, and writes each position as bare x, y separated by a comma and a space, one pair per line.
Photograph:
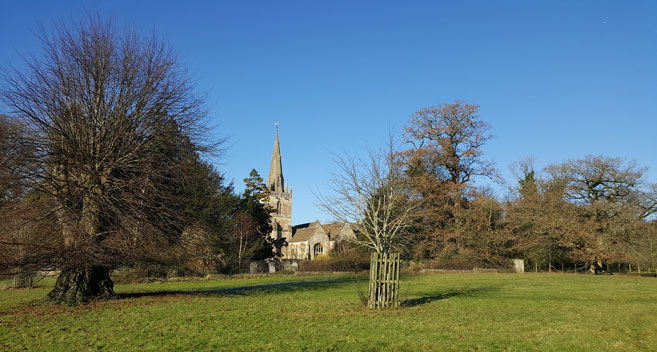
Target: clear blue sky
555, 79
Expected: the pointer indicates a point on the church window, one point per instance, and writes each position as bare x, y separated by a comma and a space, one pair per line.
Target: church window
318, 249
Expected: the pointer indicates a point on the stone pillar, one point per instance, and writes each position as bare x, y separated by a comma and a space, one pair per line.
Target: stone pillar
519, 265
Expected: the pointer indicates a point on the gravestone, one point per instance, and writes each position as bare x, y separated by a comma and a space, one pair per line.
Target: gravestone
258, 267
290, 264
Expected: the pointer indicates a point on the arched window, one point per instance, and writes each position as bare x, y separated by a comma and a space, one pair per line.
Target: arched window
318, 249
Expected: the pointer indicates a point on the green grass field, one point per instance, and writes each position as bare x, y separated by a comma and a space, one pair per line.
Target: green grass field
453, 312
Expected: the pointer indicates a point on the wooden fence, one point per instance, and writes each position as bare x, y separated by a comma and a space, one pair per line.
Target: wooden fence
384, 281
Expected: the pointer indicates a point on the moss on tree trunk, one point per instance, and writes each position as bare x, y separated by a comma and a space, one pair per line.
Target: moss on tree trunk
81, 285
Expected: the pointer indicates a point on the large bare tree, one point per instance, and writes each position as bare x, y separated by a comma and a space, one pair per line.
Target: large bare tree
112, 120
444, 156
596, 178
447, 141
613, 198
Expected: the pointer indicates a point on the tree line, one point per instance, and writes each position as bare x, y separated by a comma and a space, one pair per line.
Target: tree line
418, 197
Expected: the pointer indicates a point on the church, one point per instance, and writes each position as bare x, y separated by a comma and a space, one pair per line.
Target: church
305, 241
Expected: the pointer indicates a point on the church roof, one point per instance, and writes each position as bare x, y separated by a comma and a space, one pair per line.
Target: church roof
303, 232
333, 229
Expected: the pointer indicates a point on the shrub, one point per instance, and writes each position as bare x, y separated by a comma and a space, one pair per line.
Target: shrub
463, 263
352, 262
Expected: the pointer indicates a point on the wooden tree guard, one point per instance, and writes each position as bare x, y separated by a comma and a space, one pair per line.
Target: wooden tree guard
23, 280
384, 281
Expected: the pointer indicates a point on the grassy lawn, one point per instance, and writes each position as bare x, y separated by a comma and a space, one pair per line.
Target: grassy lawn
497, 312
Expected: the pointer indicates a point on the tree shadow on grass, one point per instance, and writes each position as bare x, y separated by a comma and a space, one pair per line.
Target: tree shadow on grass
428, 298
280, 287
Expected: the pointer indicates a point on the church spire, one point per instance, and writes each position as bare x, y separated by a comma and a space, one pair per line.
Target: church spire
275, 180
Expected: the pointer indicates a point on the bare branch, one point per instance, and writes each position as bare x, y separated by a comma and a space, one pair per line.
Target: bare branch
373, 195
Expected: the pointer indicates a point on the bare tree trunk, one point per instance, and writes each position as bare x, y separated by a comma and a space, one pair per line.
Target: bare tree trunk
550, 263
84, 284
596, 266
239, 254
81, 285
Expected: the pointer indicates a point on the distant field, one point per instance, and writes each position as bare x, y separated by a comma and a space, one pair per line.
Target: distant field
497, 312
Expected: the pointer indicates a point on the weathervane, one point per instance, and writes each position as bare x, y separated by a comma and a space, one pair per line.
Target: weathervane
276, 123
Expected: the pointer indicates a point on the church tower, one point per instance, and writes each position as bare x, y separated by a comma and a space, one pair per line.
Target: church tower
280, 197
